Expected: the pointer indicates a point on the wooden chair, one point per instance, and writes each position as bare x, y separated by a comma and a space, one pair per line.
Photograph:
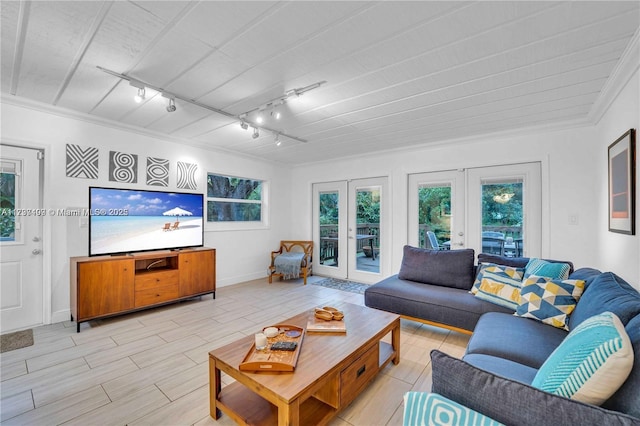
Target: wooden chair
167, 227
288, 246
175, 226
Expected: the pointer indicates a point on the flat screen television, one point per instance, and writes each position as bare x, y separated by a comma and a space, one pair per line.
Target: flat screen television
133, 220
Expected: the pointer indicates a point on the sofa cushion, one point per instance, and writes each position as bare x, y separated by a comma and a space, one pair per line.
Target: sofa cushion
502, 367
542, 268
608, 292
447, 268
444, 305
517, 262
585, 274
591, 363
499, 285
423, 408
549, 301
511, 402
521, 340
627, 398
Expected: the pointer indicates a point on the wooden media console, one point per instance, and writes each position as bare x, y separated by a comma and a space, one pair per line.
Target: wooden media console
104, 286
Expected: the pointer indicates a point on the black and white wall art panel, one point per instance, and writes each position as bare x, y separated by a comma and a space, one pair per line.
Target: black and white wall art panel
82, 162
157, 172
123, 167
187, 175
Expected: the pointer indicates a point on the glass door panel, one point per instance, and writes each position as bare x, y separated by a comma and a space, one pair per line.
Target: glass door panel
368, 229
502, 215
329, 228
436, 210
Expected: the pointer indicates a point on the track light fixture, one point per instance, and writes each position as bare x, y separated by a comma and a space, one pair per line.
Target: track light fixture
277, 140
244, 122
139, 97
259, 119
172, 105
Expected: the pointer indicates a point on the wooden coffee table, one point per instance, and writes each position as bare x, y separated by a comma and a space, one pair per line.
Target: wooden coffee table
332, 369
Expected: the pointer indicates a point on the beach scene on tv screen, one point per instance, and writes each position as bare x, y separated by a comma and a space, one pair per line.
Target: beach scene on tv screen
128, 220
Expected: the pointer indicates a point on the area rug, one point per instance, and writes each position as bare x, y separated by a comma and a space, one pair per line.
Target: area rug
343, 285
16, 340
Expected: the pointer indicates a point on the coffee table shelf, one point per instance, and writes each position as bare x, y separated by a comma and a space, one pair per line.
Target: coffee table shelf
247, 407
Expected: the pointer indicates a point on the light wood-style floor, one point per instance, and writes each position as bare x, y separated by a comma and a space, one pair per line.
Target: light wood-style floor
151, 367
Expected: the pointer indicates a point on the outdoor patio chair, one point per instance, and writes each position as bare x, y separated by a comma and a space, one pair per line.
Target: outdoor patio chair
432, 241
167, 226
175, 226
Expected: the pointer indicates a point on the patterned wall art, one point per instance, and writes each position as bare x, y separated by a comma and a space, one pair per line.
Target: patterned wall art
82, 162
123, 167
187, 175
157, 171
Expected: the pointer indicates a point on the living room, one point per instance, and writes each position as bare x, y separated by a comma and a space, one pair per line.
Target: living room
572, 154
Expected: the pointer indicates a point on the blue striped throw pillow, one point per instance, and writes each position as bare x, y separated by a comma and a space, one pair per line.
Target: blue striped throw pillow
421, 408
591, 363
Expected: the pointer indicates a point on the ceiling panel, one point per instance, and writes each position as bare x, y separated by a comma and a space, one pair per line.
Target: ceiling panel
397, 74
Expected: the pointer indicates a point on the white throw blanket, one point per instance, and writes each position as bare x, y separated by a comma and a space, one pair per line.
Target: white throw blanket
288, 264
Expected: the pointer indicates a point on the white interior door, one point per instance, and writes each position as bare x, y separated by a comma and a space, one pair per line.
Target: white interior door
494, 209
350, 229
330, 229
367, 232
505, 201
21, 264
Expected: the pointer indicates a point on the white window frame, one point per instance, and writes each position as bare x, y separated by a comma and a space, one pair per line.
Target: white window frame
263, 223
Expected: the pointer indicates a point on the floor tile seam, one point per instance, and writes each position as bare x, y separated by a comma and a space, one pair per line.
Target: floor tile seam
67, 359
33, 404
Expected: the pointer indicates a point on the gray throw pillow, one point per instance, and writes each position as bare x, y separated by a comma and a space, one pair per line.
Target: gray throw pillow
447, 268
511, 402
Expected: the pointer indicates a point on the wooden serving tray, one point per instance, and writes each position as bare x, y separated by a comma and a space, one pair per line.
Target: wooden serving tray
268, 360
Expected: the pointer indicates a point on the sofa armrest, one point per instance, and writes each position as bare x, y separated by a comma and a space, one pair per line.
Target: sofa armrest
511, 402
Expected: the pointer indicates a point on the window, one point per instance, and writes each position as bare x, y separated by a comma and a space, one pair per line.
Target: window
7, 201
234, 199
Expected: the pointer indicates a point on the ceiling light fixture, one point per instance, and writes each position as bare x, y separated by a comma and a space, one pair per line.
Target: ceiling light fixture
259, 119
277, 140
139, 97
172, 105
244, 123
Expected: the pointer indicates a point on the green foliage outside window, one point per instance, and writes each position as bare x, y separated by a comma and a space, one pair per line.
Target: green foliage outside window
233, 199
7, 204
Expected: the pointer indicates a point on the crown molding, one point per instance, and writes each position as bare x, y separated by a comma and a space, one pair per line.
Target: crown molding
626, 67
21, 102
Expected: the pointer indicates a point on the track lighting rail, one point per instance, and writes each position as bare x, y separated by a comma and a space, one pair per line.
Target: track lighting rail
242, 118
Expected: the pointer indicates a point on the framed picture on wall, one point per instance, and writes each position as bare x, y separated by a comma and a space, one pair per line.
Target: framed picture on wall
622, 184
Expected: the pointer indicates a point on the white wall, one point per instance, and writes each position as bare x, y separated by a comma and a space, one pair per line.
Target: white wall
619, 253
241, 255
567, 162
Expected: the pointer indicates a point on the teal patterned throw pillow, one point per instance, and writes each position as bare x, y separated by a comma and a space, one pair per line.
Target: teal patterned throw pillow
542, 268
421, 408
591, 363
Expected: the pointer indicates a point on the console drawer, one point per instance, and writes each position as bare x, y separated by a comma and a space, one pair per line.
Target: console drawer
156, 279
357, 375
156, 295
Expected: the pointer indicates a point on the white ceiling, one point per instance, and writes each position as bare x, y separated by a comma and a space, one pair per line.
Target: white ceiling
397, 73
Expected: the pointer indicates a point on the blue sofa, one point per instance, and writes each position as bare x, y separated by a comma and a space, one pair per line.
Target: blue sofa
505, 352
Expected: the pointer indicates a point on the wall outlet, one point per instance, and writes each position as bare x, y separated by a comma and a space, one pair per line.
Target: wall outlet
573, 219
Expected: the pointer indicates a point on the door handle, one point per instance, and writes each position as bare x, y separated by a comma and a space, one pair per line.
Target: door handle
36, 251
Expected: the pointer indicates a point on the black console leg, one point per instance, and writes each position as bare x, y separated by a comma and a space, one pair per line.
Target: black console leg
214, 295
77, 327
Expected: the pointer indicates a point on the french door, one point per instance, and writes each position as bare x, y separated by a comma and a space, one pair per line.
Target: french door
350, 229
493, 210
21, 264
